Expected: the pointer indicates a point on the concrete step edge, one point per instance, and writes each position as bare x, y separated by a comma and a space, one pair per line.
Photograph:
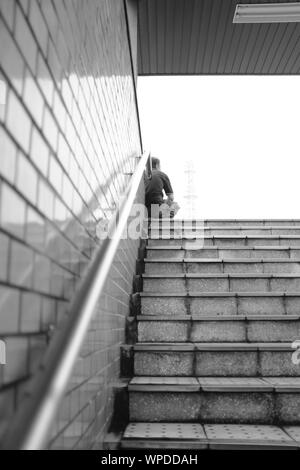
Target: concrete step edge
225, 248
199, 225
170, 444
227, 220
219, 294
202, 440
226, 237
194, 347
222, 276
213, 444
223, 260
207, 318
205, 384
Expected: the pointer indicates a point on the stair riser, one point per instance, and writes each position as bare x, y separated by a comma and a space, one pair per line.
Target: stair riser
222, 268
225, 242
220, 305
199, 231
215, 363
221, 285
161, 332
218, 331
223, 254
215, 407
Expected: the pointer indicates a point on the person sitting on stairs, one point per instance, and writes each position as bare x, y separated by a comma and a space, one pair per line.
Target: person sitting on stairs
159, 184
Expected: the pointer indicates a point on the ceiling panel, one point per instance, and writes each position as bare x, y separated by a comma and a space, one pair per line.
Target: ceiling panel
195, 37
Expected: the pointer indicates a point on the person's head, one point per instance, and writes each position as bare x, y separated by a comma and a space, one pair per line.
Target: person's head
155, 163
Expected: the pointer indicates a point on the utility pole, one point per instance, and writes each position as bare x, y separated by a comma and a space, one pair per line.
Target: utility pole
190, 195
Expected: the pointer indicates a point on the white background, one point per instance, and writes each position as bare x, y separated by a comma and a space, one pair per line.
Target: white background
242, 133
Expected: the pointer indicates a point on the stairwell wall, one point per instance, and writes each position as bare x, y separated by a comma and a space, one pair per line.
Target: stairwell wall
69, 138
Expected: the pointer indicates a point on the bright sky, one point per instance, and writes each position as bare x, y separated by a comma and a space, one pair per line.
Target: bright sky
241, 133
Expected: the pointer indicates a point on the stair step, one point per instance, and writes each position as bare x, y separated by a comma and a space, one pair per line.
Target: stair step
215, 384
231, 222
165, 435
214, 359
216, 321
215, 303
200, 230
281, 328
221, 283
225, 241
186, 347
212, 436
293, 432
220, 266
178, 252
215, 400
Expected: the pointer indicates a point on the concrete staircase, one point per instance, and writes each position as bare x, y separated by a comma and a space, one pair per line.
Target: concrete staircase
218, 313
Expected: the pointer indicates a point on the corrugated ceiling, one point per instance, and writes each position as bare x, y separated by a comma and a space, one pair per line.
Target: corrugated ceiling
198, 37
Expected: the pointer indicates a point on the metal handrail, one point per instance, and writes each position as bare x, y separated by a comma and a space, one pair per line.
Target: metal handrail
32, 424
149, 167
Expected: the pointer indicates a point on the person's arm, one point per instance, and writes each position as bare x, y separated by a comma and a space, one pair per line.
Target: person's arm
168, 190
170, 199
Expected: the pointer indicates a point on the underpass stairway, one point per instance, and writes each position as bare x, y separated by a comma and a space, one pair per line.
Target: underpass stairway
213, 362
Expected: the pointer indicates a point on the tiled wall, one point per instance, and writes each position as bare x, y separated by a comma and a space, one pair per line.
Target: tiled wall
68, 139
86, 411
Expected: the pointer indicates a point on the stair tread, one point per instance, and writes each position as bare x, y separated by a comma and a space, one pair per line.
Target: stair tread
212, 434
180, 384
168, 347
219, 260
154, 219
229, 236
220, 384
200, 225
205, 223
220, 294
284, 383
293, 432
248, 432
222, 276
206, 228
164, 431
164, 381
174, 318
233, 248
200, 231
